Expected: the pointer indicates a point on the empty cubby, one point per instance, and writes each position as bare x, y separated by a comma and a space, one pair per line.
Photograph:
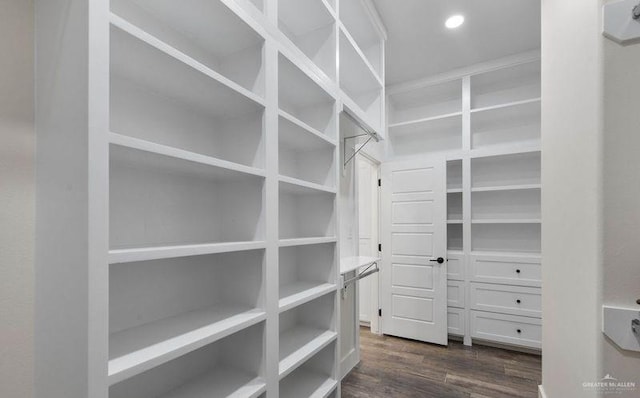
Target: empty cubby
444, 134
425, 102
315, 378
305, 330
518, 124
454, 206
156, 98
162, 302
505, 85
157, 200
513, 238
311, 27
454, 175
506, 170
505, 205
233, 366
304, 99
206, 31
304, 155
306, 212
354, 16
454, 237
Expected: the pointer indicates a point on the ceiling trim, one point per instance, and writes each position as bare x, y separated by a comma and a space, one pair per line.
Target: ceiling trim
512, 60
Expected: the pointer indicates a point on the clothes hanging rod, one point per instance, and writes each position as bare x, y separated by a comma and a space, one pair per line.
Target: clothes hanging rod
367, 132
366, 272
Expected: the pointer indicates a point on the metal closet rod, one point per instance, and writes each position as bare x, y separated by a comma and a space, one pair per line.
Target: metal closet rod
366, 272
367, 132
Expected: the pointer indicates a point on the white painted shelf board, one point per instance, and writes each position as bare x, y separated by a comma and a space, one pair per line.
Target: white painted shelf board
187, 62
302, 187
451, 123
319, 139
456, 252
361, 54
356, 74
301, 343
221, 383
503, 150
348, 264
454, 190
454, 221
522, 187
141, 348
425, 120
304, 16
297, 293
307, 384
507, 221
507, 105
506, 254
307, 241
147, 146
118, 256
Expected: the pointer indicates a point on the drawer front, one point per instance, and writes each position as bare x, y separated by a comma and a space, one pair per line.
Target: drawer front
455, 266
506, 269
455, 321
514, 300
455, 294
509, 329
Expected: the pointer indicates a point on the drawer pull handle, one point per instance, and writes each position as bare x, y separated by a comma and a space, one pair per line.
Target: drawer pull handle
519, 331
518, 301
517, 271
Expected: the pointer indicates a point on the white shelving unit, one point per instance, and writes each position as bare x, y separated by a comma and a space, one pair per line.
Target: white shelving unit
487, 126
197, 193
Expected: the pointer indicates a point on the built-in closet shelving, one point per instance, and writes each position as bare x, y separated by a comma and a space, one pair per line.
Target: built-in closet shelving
487, 125
212, 251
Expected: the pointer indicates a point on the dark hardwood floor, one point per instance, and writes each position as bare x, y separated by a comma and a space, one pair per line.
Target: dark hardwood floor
397, 368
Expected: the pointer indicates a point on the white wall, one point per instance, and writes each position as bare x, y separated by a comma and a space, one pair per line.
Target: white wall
621, 274
571, 196
16, 198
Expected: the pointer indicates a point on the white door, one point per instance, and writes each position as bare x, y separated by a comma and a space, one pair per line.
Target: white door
414, 269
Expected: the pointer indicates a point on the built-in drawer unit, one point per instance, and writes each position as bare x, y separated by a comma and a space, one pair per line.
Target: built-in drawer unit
455, 321
455, 266
515, 300
512, 270
455, 294
509, 329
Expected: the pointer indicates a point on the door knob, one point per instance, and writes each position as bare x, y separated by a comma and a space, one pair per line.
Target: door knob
438, 260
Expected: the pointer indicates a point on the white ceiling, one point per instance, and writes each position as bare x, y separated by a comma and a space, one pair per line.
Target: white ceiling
419, 45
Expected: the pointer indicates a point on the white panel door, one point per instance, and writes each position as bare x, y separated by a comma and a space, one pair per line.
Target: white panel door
414, 269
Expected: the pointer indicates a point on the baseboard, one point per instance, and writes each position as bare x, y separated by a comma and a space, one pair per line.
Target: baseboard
541, 393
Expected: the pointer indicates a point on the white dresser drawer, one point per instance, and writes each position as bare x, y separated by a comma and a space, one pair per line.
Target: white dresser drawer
455, 266
509, 329
455, 294
455, 321
514, 300
523, 271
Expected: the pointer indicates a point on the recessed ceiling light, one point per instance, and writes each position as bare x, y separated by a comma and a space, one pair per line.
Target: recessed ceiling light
454, 21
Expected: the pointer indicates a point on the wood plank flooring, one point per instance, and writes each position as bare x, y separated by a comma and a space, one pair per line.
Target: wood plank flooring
397, 368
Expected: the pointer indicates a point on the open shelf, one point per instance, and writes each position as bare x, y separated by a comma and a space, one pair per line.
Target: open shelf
506, 206
454, 176
306, 212
206, 31
506, 237
359, 82
305, 156
314, 379
311, 27
307, 241
506, 170
306, 271
502, 86
357, 21
304, 99
158, 201
519, 123
162, 309
522, 187
454, 236
454, 206
432, 101
441, 134
304, 331
231, 367
159, 98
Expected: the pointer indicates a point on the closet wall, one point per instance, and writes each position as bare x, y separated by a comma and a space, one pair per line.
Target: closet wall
188, 240
484, 122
